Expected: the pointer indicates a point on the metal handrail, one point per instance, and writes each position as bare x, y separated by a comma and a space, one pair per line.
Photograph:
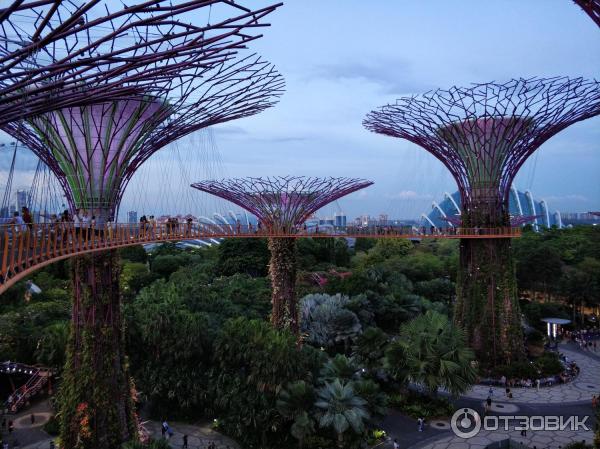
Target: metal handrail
24, 248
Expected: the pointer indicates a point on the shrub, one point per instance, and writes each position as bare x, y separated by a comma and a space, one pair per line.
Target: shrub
52, 427
549, 364
420, 406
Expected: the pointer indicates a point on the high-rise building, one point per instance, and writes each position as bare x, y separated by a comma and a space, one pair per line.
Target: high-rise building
339, 220
364, 220
132, 216
383, 219
21, 199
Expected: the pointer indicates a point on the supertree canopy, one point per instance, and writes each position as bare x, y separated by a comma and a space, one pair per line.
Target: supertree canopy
56, 54
591, 8
95, 149
281, 204
483, 134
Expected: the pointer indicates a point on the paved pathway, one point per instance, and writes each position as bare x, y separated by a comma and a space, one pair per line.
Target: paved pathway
580, 390
199, 436
542, 439
573, 399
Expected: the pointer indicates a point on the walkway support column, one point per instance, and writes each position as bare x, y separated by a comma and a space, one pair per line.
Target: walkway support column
97, 409
282, 270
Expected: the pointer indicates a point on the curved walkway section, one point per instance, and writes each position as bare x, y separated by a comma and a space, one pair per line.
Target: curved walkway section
541, 439
26, 248
581, 389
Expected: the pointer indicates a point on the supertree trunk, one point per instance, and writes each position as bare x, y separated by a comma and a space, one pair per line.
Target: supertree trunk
487, 306
96, 404
282, 269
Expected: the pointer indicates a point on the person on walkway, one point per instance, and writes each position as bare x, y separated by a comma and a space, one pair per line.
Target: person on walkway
27, 218
185, 442
396, 445
421, 422
32, 419
537, 384
488, 405
491, 391
163, 428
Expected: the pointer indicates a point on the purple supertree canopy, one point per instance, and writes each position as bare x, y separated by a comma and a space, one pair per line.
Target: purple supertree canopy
483, 134
591, 8
95, 149
56, 54
282, 202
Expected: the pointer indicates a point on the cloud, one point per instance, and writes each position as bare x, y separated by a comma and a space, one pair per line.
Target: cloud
393, 76
409, 195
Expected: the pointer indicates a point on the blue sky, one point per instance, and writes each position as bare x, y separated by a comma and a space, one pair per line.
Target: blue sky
343, 58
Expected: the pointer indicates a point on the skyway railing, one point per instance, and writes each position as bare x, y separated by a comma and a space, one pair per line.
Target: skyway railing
25, 248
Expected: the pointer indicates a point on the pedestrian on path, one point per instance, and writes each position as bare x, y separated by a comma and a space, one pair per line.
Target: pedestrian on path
396, 445
185, 442
32, 419
421, 422
491, 391
537, 384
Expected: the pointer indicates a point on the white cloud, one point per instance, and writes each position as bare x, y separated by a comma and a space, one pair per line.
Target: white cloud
409, 195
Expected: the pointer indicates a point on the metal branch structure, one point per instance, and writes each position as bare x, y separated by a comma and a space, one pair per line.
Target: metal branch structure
591, 8
483, 134
281, 205
95, 149
93, 98
56, 54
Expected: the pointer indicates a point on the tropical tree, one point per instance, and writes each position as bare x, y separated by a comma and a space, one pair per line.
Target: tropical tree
376, 399
370, 347
326, 322
51, 347
341, 409
252, 364
339, 367
295, 403
431, 352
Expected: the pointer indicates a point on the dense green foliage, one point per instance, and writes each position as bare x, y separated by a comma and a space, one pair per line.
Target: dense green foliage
200, 344
561, 265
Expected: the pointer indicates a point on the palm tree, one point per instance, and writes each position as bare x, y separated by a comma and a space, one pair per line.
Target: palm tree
430, 351
370, 346
341, 409
294, 403
340, 367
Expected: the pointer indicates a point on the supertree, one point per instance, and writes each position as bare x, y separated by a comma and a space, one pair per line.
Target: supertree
282, 204
55, 54
483, 134
94, 147
591, 8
